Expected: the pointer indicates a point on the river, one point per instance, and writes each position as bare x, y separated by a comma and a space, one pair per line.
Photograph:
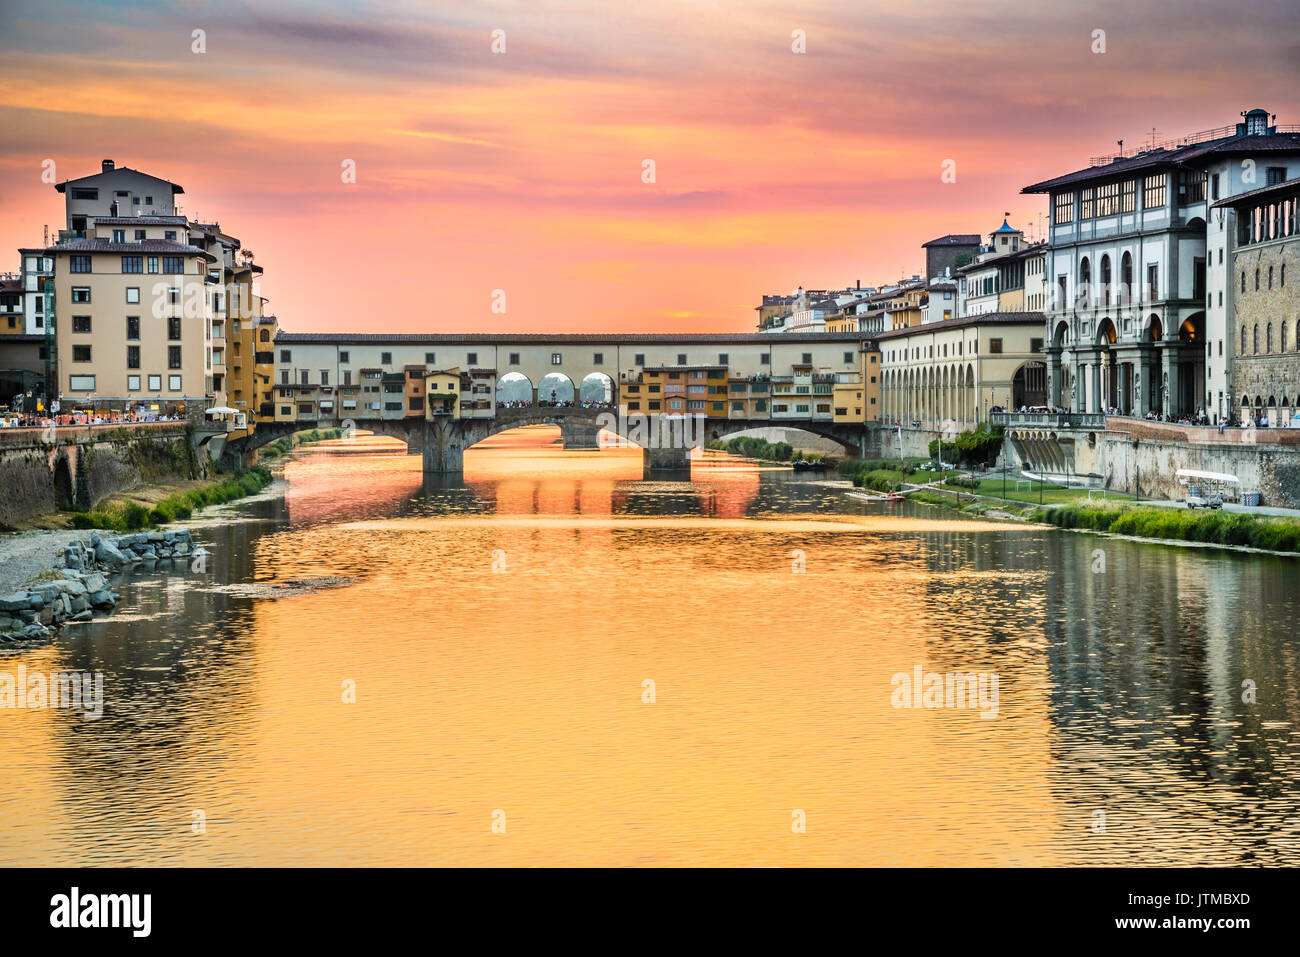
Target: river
556, 663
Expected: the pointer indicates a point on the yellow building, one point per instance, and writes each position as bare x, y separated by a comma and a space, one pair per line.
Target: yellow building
442, 393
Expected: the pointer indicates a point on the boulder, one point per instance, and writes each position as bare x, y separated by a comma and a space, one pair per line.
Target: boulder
101, 599
83, 615
35, 630
79, 604
75, 587
92, 582
109, 555
14, 602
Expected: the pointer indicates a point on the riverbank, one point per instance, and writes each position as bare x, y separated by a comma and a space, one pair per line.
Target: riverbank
1159, 525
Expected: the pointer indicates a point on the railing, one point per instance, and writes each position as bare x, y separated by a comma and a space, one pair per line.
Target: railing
1092, 421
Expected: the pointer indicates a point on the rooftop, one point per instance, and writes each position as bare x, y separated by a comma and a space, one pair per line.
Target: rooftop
1255, 195
570, 338
1035, 319
955, 239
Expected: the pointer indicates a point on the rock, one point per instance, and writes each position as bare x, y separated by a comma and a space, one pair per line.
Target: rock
95, 539
79, 604
47, 615
7, 623
101, 599
155, 536
74, 587
35, 630
83, 615
35, 601
108, 554
26, 614
182, 548
14, 602
92, 582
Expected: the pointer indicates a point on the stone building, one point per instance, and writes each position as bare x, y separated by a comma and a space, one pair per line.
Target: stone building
1266, 307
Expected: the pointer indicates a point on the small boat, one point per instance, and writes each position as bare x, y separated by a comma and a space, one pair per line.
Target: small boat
799, 465
895, 497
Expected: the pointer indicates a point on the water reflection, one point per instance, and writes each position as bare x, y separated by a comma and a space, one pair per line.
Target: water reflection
499, 631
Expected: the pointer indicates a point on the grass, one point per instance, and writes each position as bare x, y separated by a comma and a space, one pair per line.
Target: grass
1214, 528
132, 516
1051, 494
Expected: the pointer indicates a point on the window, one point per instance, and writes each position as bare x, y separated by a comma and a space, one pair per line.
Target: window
1243, 280
765, 358
1153, 191
78, 264
133, 383
173, 265
848, 358
85, 194
1254, 339
81, 323
1153, 282
1035, 345
471, 358
173, 357
81, 294
1214, 186
514, 358
174, 330
133, 295
174, 383
995, 346
598, 358
119, 235
1191, 187
639, 359
133, 360
148, 200
139, 235
556, 359
81, 353
324, 376
153, 265
132, 264
81, 383
1108, 199
1064, 203
1086, 203
1276, 174
385, 358
1128, 196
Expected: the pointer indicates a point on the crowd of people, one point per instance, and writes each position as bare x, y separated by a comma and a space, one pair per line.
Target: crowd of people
40, 420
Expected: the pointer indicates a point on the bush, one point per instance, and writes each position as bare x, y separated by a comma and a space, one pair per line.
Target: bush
1214, 528
136, 516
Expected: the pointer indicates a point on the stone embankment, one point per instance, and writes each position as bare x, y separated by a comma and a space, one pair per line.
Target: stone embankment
84, 588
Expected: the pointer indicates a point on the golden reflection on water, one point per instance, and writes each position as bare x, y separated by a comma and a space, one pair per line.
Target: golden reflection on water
500, 632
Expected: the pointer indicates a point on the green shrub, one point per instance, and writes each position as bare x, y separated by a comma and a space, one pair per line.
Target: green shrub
136, 516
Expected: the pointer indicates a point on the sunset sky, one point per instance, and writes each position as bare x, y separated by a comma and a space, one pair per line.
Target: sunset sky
523, 171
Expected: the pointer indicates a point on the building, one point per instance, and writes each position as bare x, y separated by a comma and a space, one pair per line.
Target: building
943, 256
37, 274
116, 191
132, 317
956, 371
442, 390
1139, 293
1263, 247
12, 311
939, 302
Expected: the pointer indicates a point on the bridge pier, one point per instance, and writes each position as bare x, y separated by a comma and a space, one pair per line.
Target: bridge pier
580, 436
667, 462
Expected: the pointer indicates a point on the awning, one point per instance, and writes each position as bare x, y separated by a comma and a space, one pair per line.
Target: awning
1184, 474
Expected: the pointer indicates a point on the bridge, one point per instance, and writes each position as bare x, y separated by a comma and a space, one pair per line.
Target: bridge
665, 440
373, 381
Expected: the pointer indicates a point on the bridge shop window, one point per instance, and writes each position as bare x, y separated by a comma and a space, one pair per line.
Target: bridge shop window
639, 359
471, 358
556, 359
385, 358
723, 359
765, 358
807, 358
430, 358
598, 358
514, 358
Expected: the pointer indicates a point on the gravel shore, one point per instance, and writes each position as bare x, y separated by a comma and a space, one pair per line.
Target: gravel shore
25, 555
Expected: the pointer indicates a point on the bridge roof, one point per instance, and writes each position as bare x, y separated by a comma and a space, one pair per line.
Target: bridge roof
534, 338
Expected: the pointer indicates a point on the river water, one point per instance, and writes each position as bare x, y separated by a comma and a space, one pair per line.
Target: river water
555, 662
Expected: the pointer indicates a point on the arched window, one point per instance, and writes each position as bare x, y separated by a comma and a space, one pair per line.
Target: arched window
1254, 336
1085, 282
1268, 338
265, 335
1281, 331
1243, 280
1126, 279
1105, 280
1257, 280
1243, 338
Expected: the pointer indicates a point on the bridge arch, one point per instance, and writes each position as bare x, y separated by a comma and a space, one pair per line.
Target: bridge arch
555, 387
596, 387
515, 387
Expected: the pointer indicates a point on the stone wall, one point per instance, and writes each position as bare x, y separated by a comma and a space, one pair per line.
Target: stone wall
26, 486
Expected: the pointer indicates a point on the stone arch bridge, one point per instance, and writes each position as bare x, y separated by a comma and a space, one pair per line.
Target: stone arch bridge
665, 440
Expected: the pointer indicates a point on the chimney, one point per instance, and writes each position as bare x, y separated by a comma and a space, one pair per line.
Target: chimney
859, 284
107, 166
